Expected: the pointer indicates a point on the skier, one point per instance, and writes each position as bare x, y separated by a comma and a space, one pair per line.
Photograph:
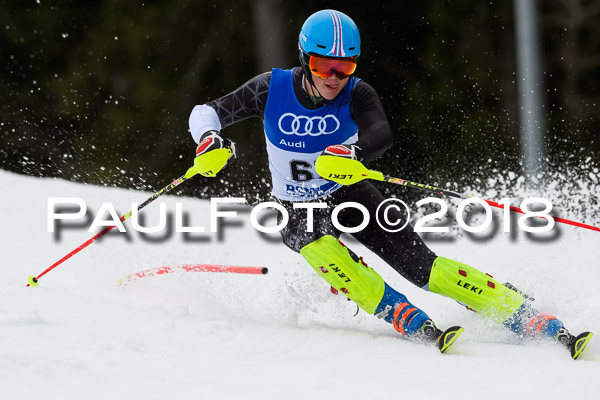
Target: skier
320, 109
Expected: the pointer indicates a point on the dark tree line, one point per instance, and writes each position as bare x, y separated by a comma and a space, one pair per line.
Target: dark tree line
101, 91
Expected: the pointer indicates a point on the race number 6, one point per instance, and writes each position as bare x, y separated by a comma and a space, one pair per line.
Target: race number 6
300, 171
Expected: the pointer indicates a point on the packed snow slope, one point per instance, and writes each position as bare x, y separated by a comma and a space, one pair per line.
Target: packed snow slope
80, 335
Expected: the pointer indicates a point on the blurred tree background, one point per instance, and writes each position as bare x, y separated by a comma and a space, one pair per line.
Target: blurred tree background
101, 91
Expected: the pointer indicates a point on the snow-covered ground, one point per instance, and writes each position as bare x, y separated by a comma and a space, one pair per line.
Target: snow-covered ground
283, 335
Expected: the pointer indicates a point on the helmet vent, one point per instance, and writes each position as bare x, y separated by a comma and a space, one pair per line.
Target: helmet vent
351, 48
321, 46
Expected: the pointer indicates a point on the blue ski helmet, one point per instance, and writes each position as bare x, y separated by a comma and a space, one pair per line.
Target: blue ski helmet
330, 33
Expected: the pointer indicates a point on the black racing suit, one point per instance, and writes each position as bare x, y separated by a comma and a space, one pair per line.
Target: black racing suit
404, 251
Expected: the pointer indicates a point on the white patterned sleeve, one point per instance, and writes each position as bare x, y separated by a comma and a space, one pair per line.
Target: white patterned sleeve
203, 119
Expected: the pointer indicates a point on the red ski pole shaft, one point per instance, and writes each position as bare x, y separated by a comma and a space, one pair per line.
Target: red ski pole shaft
435, 189
557, 219
190, 173
168, 269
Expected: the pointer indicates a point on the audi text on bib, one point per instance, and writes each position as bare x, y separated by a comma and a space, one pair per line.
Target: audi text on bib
296, 136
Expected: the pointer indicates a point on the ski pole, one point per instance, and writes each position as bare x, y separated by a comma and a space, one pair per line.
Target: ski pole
354, 172
492, 203
231, 269
33, 280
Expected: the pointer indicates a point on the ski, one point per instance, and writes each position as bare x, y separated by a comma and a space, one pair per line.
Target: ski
448, 337
575, 344
579, 344
429, 334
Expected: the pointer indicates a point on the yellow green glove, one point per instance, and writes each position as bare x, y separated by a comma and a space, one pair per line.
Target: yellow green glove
340, 163
214, 153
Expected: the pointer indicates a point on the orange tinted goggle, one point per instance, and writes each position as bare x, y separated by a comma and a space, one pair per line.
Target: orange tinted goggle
324, 67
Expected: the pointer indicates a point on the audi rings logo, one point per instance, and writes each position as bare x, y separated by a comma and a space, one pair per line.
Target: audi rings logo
301, 125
